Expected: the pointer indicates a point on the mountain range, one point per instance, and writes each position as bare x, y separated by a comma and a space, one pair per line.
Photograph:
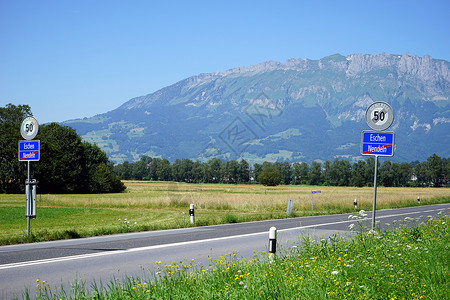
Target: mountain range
299, 110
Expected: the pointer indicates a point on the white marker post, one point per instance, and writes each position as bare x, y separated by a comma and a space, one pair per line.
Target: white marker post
272, 242
191, 213
289, 207
355, 203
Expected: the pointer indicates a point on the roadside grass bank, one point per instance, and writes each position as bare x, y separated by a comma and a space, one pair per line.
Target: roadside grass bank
164, 205
408, 262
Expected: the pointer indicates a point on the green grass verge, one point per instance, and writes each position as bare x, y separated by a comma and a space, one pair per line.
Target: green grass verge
155, 206
56, 223
409, 262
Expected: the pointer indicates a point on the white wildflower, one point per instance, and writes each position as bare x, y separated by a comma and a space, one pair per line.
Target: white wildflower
362, 213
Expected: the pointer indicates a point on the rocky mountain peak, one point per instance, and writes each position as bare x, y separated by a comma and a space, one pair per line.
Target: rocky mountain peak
287, 111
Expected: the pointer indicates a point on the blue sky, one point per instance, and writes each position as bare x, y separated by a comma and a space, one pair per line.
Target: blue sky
75, 59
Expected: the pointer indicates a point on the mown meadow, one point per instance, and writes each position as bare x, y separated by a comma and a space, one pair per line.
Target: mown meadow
408, 262
149, 205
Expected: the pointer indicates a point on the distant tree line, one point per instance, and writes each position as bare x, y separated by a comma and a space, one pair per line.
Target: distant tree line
66, 165
435, 171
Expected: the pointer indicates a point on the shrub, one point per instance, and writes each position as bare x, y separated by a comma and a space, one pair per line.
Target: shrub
270, 176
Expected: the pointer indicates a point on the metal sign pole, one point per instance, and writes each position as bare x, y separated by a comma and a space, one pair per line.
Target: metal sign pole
374, 192
29, 150
29, 199
379, 117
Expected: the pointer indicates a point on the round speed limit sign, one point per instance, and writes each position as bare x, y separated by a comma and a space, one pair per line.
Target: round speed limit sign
379, 116
29, 128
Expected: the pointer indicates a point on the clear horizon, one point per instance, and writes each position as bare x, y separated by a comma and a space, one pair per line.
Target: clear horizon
70, 60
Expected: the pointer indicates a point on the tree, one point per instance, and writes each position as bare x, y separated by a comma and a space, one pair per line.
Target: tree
386, 175
154, 165
164, 171
422, 174
339, 173
446, 162
285, 171
139, 170
101, 178
68, 165
358, 174
402, 173
198, 172
12, 172
315, 173
182, 170
436, 170
326, 174
370, 170
176, 170
124, 170
243, 171
62, 168
257, 169
215, 170
186, 169
231, 171
300, 173
270, 176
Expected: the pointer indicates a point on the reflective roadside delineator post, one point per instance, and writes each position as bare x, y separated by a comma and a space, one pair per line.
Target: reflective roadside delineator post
272, 242
191, 213
418, 199
355, 203
290, 205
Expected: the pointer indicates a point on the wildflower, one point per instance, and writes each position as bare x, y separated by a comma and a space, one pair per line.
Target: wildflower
351, 226
334, 272
241, 283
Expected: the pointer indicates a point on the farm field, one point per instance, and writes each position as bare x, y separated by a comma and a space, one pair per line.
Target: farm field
162, 205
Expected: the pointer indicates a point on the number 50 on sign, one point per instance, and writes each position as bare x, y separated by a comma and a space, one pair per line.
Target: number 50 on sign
29, 128
379, 116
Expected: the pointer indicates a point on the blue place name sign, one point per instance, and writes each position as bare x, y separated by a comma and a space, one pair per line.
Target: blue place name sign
377, 143
29, 150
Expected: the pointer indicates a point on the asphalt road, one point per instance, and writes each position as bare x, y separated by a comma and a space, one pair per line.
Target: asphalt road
135, 254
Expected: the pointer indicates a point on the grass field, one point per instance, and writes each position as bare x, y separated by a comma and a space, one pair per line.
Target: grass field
161, 205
